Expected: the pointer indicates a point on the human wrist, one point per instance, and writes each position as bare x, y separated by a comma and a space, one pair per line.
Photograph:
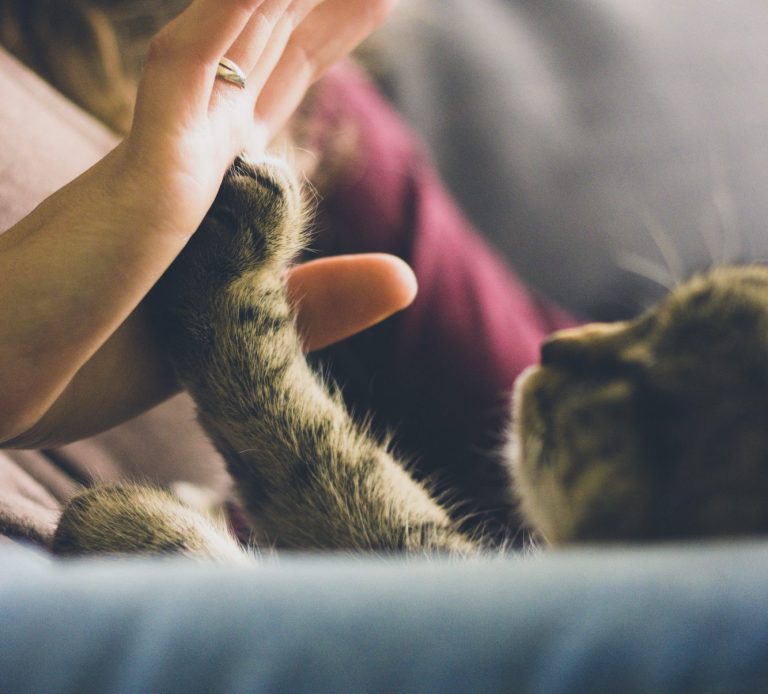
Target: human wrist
152, 193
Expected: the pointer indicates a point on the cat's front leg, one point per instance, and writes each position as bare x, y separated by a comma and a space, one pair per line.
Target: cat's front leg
309, 476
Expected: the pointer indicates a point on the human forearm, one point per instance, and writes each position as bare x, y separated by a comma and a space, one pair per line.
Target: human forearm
70, 274
127, 375
334, 297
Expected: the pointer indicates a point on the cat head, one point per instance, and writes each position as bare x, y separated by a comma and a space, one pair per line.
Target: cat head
654, 428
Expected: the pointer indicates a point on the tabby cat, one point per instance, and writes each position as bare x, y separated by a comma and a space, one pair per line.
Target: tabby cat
651, 429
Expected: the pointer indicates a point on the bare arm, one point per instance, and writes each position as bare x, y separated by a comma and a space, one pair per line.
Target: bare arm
75, 355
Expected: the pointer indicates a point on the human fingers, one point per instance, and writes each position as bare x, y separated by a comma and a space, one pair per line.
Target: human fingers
325, 36
340, 296
284, 26
256, 51
260, 46
182, 61
249, 46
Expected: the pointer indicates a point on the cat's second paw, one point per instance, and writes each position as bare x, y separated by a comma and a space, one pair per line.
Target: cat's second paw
133, 519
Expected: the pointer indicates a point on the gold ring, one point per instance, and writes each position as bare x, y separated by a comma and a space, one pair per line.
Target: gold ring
230, 71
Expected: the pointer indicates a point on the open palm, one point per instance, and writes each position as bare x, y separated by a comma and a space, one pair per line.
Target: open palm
189, 126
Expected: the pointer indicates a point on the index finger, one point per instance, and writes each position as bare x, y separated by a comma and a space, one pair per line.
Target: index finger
324, 37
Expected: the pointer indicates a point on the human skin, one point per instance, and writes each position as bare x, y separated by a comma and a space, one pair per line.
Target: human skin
77, 355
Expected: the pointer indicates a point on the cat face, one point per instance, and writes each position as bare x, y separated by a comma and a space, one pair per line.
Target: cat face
652, 428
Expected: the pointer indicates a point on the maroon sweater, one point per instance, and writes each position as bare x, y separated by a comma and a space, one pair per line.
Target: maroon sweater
439, 374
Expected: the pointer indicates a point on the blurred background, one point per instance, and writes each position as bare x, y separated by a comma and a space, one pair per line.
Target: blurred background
608, 148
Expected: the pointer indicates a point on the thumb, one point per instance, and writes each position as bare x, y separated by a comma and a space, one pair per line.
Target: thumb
340, 296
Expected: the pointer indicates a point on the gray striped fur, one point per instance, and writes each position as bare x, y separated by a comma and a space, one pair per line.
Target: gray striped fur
308, 476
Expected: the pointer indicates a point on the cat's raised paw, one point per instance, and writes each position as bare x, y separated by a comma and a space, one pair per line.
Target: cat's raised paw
256, 224
260, 205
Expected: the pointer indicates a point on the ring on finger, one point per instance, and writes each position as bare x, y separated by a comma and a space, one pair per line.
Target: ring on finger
230, 71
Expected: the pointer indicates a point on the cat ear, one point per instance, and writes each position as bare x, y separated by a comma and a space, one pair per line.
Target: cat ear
582, 342
592, 342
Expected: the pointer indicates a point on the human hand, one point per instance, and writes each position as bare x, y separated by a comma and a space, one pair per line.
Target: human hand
189, 126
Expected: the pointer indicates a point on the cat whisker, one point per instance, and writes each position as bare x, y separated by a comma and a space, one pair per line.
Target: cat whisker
666, 246
722, 221
710, 232
310, 190
306, 152
646, 268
